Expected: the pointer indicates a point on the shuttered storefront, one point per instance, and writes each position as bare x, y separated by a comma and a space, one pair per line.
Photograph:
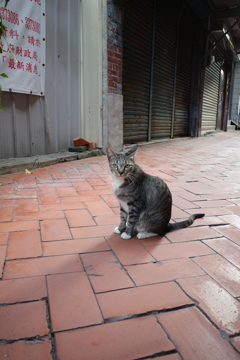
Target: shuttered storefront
211, 87
156, 106
210, 98
137, 34
187, 30
163, 71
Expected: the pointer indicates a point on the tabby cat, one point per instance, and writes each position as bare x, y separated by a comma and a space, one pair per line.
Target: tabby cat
145, 200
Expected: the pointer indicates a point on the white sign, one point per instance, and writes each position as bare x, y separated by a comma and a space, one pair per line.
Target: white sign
25, 33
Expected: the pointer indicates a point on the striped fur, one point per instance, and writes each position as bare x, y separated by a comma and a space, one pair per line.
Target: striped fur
145, 200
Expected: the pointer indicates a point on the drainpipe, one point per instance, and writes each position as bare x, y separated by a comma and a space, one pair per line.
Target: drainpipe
175, 70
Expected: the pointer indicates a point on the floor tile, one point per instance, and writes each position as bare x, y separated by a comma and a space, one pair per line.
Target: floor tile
110, 200
178, 213
48, 196
78, 218
8, 189
19, 226
209, 221
195, 337
179, 250
19, 290
236, 342
72, 302
82, 197
129, 251
3, 238
221, 270
24, 244
183, 203
129, 339
92, 231
163, 271
212, 299
232, 219
66, 191
23, 321
26, 205
107, 219
212, 203
42, 266
96, 181
27, 184
167, 357
214, 211
192, 233
140, 300
38, 215
55, 230
155, 240
83, 186
231, 232
228, 249
105, 272
77, 246
62, 206
3, 250
98, 208
27, 350
6, 213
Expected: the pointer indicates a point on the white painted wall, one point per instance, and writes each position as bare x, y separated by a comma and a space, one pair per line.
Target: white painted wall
91, 70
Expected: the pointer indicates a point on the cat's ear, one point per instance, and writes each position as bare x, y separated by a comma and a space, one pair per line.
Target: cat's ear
110, 153
132, 151
123, 148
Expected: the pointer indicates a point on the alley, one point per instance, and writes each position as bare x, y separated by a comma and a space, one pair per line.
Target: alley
71, 289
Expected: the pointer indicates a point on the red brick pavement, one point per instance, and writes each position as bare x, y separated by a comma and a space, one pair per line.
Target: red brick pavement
72, 289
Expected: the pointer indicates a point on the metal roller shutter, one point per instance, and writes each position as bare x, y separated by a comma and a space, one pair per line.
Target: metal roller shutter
164, 64
211, 87
137, 50
187, 28
156, 73
210, 98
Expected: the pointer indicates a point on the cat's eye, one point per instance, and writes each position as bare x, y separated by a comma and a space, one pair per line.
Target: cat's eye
127, 166
114, 166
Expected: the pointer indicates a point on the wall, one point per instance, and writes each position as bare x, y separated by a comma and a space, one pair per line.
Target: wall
112, 80
91, 70
32, 125
114, 47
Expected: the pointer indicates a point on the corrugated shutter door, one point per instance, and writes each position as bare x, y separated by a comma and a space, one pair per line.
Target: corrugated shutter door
210, 98
137, 50
187, 28
163, 75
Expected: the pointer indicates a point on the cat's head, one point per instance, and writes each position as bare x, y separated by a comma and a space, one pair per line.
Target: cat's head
122, 163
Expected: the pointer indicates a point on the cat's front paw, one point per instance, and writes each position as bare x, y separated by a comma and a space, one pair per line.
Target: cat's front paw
125, 236
116, 230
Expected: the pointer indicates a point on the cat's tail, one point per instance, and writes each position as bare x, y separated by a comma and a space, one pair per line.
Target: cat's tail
183, 224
